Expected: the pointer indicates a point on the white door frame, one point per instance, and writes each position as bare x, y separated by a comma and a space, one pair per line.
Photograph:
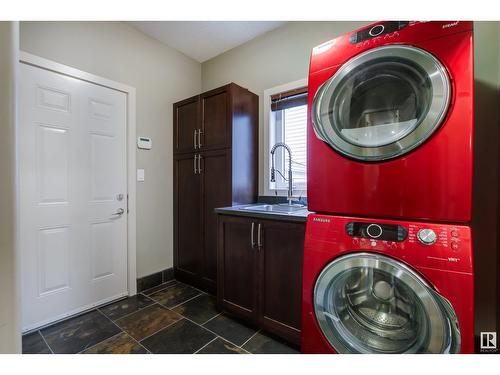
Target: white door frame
53, 66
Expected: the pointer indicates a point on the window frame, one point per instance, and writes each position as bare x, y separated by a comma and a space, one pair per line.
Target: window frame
269, 139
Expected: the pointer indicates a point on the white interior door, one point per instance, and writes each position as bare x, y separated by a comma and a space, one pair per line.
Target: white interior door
73, 184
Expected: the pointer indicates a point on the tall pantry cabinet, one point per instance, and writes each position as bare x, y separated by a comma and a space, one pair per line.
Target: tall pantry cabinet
215, 165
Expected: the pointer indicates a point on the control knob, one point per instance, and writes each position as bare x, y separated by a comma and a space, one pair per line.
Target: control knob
427, 236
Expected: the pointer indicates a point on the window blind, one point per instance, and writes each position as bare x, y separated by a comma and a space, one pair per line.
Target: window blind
295, 136
289, 99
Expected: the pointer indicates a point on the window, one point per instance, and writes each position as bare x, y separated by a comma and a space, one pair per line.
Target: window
287, 108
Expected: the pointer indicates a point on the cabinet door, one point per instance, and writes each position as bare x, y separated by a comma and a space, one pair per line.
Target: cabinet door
188, 221
186, 125
216, 174
280, 274
237, 268
215, 115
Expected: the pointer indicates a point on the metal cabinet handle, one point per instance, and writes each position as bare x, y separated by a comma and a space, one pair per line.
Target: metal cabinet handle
119, 212
252, 241
194, 139
194, 164
199, 164
199, 137
259, 235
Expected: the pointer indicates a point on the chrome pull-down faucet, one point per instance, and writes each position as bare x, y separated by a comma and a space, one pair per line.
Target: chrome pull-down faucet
273, 171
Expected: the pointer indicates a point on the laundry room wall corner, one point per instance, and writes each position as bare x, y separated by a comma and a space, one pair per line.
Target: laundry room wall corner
485, 215
10, 337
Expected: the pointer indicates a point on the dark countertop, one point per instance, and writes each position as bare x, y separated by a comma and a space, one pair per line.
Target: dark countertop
297, 216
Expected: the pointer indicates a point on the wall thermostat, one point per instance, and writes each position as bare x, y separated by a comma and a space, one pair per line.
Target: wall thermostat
144, 143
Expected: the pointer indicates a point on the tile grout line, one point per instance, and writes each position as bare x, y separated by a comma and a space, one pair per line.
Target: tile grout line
138, 343
133, 312
208, 343
97, 343
45, 341
251, 337
161, 329
179, 304
159, 290
182, 303
183, 317
213, 317
123, 331
209, 330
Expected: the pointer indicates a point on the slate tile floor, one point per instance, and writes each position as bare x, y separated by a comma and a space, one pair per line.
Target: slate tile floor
167, 319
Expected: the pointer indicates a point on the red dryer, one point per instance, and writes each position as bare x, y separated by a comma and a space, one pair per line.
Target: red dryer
391, 121
385, 286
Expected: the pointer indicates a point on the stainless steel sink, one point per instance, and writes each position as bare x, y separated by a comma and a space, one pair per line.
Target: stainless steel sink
275, 208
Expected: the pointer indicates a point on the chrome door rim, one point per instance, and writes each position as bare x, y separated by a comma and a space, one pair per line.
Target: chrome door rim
441, 315
421, 131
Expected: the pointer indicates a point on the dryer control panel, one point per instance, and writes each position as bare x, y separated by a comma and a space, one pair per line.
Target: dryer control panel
377, 30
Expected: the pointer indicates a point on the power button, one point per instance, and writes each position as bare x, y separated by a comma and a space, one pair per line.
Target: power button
376, 30
374, 230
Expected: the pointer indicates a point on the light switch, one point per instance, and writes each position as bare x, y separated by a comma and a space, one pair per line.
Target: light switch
140, 175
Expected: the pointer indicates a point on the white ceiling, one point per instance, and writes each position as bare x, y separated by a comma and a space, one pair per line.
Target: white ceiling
203, 40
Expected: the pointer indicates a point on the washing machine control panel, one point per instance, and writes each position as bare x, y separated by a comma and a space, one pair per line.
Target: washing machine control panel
376, 231
377, 30
430, 245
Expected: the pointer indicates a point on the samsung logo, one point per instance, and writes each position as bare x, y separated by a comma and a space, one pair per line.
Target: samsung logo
321, 220
450, 25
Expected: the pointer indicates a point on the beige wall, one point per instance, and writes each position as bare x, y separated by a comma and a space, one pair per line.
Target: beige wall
273, 59
161, 76
486, 204
10, 338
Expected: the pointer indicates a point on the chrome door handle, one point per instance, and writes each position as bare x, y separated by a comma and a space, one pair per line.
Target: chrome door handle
119, 212
252, 241
259, 236
195, 171
199, 164
194, 138
199, 138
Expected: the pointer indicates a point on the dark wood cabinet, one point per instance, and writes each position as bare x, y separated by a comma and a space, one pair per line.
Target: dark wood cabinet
216, 168
186, 124
216, 180
260, 273
238, 267
215, 118
189, 224
281, 260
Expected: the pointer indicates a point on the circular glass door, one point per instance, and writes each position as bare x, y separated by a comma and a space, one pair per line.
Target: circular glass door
369, 303
382, 103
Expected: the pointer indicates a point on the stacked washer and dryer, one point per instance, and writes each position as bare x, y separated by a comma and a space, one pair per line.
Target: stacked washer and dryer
388, 262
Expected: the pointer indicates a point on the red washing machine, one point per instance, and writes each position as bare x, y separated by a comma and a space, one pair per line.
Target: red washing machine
385, 286
391, 121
